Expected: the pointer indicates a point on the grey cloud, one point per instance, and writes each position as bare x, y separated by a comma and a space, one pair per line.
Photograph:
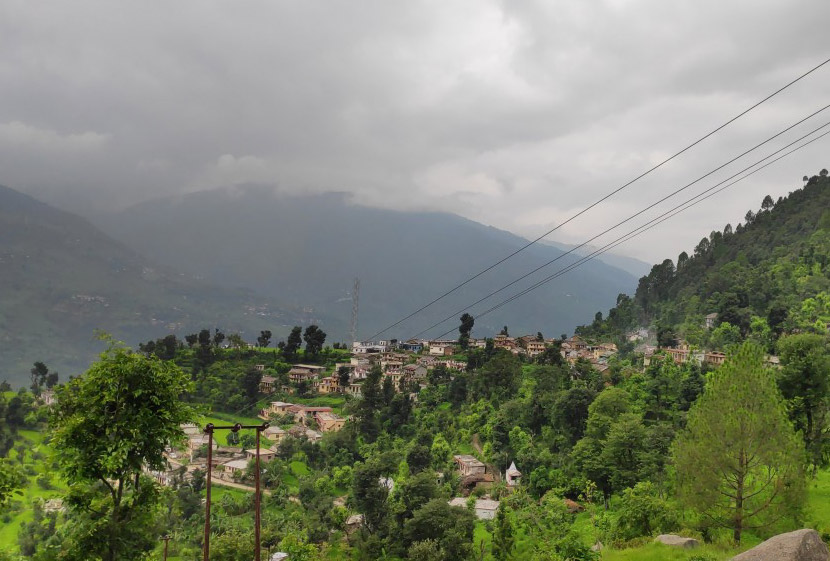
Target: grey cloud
515, 114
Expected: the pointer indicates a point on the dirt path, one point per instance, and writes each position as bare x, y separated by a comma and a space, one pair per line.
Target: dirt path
476, 443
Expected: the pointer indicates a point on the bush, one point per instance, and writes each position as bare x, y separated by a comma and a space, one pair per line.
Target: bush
643, 513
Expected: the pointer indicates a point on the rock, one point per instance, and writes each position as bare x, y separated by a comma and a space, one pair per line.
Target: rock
677, 541
801, 545
573, 506
597, 546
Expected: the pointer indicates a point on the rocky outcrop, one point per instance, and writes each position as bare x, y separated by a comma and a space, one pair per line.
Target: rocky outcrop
801, 545
677, 541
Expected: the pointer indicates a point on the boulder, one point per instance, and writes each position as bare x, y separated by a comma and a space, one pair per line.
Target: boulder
801, 545
677, 541
597, 546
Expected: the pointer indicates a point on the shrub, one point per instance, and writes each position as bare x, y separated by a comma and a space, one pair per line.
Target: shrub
643, 513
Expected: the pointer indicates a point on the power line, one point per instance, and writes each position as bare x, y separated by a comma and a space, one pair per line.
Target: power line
618, 224
658, 220
602, 199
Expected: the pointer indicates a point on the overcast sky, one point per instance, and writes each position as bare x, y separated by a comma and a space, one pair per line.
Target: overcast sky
516, 114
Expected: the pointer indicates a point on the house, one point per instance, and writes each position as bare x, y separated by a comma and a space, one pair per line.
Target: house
512, 476
414, 372
299, 431
275, 434
329, 384
267, 384
329, 422
458, 365
502, 341
441, 349
371, 347
276, 408
412, 346
304, 372
468, 465
535, 348
485, 509
234, 466
576, 343
427, 361
259, 367
303, 413
355, 390
715, 358
265, 455
710, 320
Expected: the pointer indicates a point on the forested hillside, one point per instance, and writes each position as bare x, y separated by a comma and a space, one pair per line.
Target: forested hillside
764, 277
61, 279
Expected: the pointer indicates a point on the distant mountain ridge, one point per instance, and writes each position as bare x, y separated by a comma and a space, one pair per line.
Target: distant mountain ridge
306, 249
61, 279
630, 265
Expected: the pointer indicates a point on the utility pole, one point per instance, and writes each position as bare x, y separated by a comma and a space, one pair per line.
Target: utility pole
166, 543
209, 428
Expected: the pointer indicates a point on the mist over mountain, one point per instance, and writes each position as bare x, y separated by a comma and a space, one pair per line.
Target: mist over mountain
61, 279
306, 250
631, 265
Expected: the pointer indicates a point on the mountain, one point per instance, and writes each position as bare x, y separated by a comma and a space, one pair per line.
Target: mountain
307, 249
630, 265
764, 278
61, 279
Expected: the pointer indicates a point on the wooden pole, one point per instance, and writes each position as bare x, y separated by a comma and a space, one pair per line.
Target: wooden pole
166, 543
209, 431
257, 500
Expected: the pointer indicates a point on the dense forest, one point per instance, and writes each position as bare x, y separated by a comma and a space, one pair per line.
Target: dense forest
767, 276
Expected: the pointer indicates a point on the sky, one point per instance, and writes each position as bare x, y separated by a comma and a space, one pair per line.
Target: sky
516, 114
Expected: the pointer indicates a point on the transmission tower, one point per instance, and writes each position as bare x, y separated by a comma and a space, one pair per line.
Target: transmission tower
355, 302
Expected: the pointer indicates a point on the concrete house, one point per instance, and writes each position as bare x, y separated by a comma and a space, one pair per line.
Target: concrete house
468, 465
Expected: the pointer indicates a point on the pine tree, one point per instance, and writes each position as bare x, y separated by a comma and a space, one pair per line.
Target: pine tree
740, 462
503, 538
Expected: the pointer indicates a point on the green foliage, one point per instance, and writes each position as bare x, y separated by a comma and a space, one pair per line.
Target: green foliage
503, 535
642, 512
739, 462
109, 424
805, 382
11, 478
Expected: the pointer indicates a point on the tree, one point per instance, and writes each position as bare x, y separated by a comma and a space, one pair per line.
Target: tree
739, 462
314, 338
503, 538
504, 331
264, 338
805, 383
39, 372
767, 203
343, 377
218, 337
109, 425
250, 384
293, 342
451, 527
467, 322
11, 479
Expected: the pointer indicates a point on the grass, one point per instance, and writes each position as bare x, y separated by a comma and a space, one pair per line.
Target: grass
34, 446
818, 502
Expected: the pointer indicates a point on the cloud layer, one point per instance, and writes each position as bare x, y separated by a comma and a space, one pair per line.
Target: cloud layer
515, 114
